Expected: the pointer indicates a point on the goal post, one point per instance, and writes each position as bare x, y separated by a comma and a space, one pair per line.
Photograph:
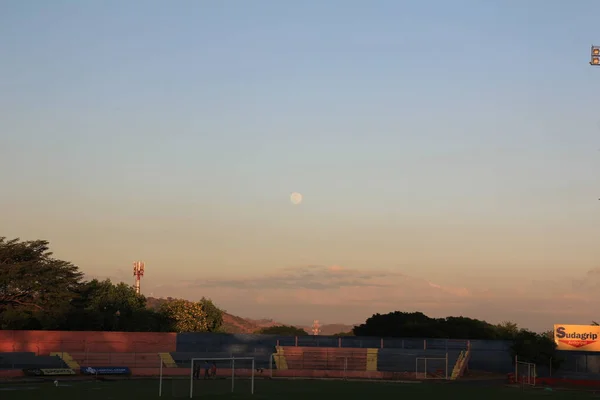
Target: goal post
431, 367
525, 372
197, 377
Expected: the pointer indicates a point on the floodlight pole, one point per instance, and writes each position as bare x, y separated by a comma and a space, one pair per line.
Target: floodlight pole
595, 56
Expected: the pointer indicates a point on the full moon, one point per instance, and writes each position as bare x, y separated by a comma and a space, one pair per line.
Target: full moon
296, 198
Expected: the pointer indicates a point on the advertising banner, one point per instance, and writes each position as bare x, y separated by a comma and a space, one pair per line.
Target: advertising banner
48, 371
577, 337
105, 371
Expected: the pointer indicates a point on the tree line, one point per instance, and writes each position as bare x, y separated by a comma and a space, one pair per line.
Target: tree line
38, 291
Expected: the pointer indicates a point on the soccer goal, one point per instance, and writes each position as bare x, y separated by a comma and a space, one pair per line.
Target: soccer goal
525, 372
198, 377
431, 367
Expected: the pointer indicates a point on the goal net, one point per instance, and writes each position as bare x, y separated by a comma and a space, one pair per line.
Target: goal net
431, 367
198, 377
525, 372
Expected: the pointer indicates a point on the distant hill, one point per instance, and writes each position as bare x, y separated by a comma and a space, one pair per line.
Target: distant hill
231, 323
330, 329
234, 324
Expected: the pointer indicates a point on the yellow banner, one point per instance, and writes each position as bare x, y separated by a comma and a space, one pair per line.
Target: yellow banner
577, 337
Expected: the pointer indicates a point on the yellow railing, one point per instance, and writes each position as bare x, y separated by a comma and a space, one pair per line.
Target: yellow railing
66, 357
167, 360
460, 365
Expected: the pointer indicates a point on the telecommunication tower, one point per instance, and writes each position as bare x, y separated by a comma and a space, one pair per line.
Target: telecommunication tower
316, 327
138, 272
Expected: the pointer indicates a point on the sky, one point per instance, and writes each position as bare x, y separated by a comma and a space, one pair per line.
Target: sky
447, 152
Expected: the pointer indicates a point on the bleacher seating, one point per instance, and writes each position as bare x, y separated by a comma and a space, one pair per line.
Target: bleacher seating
332, 358
20, 360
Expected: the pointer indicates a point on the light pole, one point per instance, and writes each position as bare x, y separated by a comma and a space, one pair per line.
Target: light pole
595, 56
117, 315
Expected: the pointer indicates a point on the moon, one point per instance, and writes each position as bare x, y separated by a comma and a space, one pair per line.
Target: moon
296, 198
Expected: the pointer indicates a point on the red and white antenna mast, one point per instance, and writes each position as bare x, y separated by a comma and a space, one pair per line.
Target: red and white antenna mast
138, 272
316, 328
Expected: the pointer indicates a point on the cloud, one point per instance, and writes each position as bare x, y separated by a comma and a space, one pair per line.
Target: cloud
335, 289
336, 293
589, 283
310, 278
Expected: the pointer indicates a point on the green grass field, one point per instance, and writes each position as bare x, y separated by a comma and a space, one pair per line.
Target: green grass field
271, 390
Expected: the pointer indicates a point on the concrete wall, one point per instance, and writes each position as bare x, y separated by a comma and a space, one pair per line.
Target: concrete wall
491, 355
19, 360
45, 342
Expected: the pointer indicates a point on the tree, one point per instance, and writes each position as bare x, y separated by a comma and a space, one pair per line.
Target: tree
105, 306
282, 330
507, 330
35, 288
344, 334
214, 314
185, 316
535, 348
38, 291
399, 324
419, 325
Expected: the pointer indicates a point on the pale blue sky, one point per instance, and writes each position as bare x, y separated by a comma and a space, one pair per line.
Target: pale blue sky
453, 141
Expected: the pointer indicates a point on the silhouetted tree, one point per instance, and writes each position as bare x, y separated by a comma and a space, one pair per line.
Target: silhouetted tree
35, 289
105, 306
507, 330
282, 330
38, 291
535, 348
418, 325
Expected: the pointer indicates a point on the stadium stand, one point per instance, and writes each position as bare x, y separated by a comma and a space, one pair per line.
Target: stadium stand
323, 358
145, 350
20, 360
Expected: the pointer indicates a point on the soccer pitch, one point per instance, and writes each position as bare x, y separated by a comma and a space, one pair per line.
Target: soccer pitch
270, 390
